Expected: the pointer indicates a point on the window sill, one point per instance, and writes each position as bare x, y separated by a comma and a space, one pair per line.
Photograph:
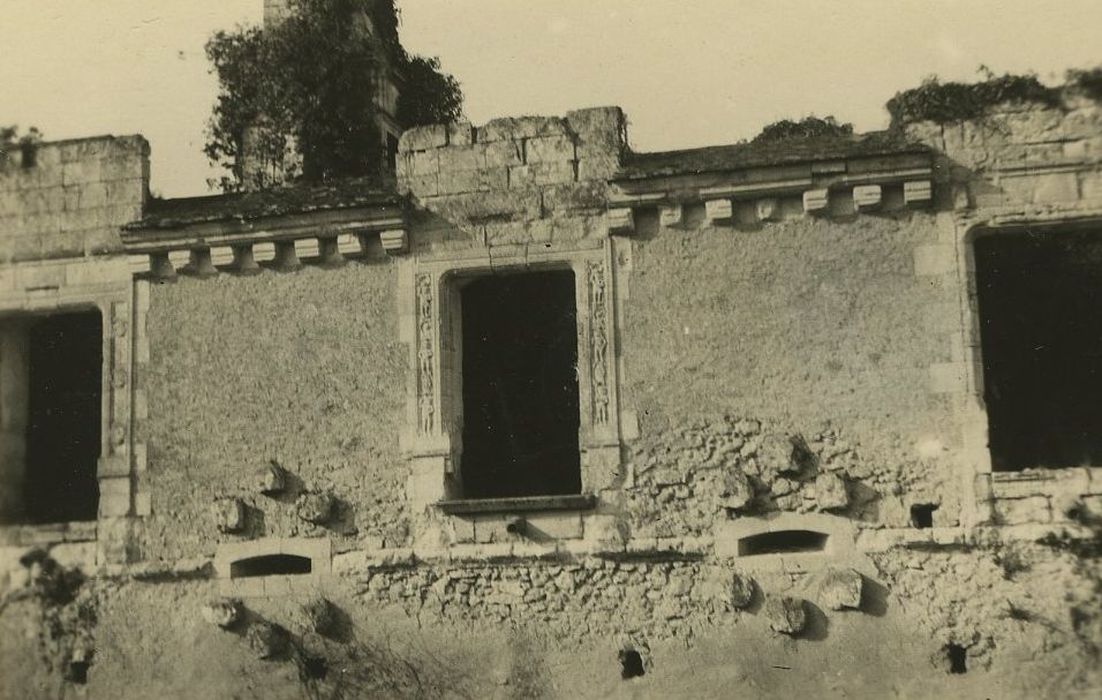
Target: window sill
469, 506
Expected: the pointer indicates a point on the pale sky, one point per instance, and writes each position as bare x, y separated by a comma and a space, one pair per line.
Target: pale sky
687, 72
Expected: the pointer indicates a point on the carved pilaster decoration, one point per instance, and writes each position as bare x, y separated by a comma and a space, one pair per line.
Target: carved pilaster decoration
120, 375
598, 341
426, 403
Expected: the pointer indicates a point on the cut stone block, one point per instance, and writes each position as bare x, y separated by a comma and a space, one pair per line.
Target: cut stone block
816, 201
841, 588
917, 193
786, 615
830, 492
867, 197
718, 210
394, 242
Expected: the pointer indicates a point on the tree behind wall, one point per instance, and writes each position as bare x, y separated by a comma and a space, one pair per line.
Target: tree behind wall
301, 92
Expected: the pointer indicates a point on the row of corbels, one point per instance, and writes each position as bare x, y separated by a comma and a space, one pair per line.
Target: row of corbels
719, 208
252, 257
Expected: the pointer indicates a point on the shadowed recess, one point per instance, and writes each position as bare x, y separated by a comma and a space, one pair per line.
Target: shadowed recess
270, 565
782, 542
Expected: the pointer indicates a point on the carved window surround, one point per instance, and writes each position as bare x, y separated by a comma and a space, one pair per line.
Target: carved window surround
430, 316
104, 284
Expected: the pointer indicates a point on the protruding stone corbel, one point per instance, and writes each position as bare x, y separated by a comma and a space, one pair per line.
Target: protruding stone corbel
200, 263
161, 267
816, 201
867, 197
767, 209
917, 193
718, 211
394, 241
329, 252
350, 244
286, 257
621, 221
670, 215
243, 260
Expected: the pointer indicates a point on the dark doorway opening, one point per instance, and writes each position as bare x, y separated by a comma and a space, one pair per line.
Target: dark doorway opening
520, 386
63, 426
1040, 304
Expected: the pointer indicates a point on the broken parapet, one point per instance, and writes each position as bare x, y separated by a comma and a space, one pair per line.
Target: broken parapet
511, 153
68, 199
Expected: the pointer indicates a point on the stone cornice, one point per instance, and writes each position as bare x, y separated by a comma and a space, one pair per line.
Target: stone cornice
286, 240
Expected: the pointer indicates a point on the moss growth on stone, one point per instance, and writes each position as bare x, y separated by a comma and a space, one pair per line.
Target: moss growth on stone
808, 127
941, 102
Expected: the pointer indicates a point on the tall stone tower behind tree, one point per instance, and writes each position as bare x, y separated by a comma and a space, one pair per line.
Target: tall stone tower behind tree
270, 159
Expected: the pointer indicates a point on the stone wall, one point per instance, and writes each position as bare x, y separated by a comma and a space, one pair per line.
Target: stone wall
74, 198
302, 370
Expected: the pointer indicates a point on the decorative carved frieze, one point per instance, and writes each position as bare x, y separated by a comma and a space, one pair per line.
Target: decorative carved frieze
598, 341
426, 355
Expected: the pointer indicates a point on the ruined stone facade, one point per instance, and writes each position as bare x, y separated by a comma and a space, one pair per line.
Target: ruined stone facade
782, 437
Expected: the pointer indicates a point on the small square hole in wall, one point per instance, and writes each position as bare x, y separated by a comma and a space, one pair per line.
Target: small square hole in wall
922, 515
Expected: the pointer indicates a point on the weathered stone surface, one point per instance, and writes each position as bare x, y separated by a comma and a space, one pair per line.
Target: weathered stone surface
786, 615
224, 612
267, 640
271, 479
737, 490
830, 492
742, 591
228, 514
315, 615
841, 588
316, 508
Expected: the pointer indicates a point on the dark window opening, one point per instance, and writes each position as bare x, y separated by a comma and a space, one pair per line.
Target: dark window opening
782, 542
520, 386
1040, 305
922, 515
631, 664
65, 357
958, 658
270, 565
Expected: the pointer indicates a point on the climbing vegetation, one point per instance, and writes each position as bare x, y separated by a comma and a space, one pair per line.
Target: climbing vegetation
305, 91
